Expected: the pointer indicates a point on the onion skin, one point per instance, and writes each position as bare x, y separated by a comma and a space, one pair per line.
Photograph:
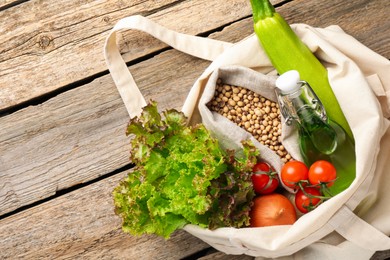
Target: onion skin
272, 210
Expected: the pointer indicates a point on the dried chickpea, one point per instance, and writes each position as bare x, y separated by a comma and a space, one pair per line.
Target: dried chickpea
253, 112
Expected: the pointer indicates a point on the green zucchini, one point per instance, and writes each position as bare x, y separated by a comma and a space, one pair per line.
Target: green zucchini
287, 52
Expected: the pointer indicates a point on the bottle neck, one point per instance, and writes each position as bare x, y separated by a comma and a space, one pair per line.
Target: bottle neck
304, 108
301, 105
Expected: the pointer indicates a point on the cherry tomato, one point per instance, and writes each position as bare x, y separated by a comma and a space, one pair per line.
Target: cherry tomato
322, 172
293, 173
264, 178
307, 199
272, 209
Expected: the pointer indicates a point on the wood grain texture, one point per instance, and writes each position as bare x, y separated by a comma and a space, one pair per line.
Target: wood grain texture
48, 45
79, 135
82, 225
7, 3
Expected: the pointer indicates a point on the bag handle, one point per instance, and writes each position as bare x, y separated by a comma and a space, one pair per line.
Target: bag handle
204, 48
358, 231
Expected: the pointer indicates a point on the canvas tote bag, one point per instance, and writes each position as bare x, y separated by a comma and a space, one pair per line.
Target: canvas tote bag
355, 223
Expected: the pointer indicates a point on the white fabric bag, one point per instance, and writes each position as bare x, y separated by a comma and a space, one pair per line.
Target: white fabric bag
353, 224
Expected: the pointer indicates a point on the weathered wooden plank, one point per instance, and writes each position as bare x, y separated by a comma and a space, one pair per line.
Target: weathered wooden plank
70, 138
7, 3
79, 135
82, 224
51, 45
381, 255
77, 224
42, 39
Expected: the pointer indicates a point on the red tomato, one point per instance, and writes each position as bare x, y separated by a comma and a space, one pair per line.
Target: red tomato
293, 173
264, 178
262, 167
307, 199
322, 172
272, 209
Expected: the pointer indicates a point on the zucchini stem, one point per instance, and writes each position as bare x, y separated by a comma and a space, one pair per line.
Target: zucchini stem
262, 9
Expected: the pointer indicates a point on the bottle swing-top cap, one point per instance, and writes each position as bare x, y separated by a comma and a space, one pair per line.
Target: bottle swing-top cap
288, 81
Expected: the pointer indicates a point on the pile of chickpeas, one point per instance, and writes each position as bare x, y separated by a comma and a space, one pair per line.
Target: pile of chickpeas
253, 112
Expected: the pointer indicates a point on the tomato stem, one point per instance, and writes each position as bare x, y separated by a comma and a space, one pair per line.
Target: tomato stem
322, 198
324, 189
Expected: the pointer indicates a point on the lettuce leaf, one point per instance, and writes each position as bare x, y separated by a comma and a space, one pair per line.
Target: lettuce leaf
232, 192
181, 176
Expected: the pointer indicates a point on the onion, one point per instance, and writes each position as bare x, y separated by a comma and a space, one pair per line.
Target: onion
271, 210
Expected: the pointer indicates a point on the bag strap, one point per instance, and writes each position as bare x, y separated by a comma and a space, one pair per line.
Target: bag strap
204, 48
345, 222
358, 231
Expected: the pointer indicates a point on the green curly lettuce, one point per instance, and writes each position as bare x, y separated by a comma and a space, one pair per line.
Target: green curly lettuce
232, 192
181, 176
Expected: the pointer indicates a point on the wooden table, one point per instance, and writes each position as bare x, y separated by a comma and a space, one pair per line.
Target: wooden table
62, 124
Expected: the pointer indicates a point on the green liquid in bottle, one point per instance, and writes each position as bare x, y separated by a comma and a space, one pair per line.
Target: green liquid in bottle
319, 137
328, 141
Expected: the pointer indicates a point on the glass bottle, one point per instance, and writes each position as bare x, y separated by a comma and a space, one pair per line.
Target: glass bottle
319, 137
